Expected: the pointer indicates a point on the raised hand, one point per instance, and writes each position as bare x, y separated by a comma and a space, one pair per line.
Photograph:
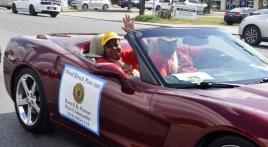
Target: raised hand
128, 23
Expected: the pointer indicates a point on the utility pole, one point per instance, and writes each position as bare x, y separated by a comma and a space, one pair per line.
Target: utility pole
142, 7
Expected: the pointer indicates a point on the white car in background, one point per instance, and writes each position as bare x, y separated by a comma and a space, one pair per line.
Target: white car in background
33, 7
254, 29
201, 7
91, 4
166, 4
157, 4
6, 3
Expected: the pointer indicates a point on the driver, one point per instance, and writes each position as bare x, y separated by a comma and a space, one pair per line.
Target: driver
112, 54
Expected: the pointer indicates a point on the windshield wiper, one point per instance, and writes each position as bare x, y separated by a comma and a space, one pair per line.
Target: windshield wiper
205, 85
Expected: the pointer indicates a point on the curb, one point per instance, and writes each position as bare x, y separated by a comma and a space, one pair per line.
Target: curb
141, 23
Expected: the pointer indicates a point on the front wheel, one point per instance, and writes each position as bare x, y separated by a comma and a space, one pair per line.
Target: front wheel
32, 11
105, 7
30, 102
231, 141
252, 35
14, 8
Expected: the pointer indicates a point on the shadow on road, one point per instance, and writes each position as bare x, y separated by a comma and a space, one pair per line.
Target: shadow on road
265, 47
13, 134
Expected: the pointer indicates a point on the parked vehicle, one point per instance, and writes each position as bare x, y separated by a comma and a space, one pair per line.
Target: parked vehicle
76, 4
128, 3
157, 4
236, 15
254, 29
93, 4
260, 12
221, 102
6, 3
201, 7
33, 7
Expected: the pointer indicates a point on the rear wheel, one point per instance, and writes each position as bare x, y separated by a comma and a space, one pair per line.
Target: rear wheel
206, 10
252, 35
229, 22
84, 7
8, 8
53, 15
30, 102
157, 8
14, 8
231, 141
32, 11
105, 7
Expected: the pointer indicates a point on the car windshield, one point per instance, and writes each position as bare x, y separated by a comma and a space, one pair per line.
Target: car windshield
195, 55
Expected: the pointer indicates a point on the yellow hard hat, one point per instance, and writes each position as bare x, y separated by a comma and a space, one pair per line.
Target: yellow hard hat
108, 36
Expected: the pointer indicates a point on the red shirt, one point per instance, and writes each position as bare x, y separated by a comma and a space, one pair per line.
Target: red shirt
165, 65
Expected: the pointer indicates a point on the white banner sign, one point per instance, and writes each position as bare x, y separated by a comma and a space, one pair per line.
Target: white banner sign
80, 96
183, 11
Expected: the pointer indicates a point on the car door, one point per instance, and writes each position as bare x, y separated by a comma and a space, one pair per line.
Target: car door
197, 4
122, 118
264, 26
93, 4
18, 4
165, 4
125, 118
25, 5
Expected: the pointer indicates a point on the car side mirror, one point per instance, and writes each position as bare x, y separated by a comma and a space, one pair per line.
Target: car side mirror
114, 71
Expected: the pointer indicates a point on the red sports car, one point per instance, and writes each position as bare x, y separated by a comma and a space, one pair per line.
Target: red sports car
198, 87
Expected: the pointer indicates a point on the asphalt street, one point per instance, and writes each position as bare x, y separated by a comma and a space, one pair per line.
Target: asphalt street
11, 133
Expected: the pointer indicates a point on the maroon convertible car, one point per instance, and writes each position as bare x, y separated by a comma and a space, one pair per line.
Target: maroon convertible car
198, 87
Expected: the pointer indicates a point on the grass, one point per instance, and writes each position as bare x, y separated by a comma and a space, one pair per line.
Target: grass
198, 21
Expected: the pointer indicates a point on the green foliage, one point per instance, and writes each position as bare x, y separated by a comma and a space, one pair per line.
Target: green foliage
147, 18
198, 21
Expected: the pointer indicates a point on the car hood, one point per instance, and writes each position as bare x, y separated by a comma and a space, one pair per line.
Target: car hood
250, 96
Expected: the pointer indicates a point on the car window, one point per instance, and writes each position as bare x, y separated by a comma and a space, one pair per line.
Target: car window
195, 1
207, 54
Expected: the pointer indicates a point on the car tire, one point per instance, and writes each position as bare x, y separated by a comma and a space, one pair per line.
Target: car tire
53, 15
130, 6
105, 7
30, 101
14, 8
231, 141
84, 7
149, 8
206, 10
122, 6
157, 8
8, 8
252, 35
229, 22
32, 11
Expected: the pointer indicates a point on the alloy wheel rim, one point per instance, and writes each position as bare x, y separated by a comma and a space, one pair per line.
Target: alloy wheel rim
28, 100
251, 35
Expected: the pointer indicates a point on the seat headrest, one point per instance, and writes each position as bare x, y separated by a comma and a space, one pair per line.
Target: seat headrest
95, 45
